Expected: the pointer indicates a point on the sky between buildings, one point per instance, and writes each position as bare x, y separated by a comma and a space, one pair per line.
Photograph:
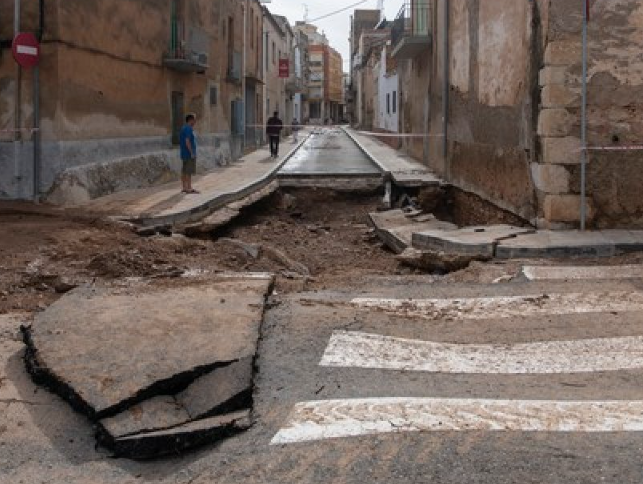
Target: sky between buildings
337, 27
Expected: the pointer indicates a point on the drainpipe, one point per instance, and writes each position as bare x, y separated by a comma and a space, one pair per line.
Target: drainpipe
583, 183
243, 73
445, 92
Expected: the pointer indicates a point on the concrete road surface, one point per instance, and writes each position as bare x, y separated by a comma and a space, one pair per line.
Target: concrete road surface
395, 381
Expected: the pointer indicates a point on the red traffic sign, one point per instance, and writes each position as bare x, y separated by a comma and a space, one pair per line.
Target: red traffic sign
26, 50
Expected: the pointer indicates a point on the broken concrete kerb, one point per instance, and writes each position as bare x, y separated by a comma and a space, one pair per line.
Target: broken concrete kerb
157, 370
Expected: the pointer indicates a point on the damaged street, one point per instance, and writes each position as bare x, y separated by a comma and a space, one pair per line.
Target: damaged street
260, 242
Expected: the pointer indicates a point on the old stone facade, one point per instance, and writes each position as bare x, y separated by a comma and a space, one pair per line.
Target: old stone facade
114, 94
504, 119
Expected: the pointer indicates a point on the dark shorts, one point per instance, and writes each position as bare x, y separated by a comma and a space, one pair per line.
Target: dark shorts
189, 167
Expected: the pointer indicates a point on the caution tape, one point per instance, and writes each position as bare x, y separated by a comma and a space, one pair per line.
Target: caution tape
613, 148
19, 130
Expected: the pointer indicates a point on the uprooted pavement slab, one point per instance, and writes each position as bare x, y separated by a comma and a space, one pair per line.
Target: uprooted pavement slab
158, 369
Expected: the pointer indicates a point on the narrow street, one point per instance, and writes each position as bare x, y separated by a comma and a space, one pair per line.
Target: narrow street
366, 370
267, 242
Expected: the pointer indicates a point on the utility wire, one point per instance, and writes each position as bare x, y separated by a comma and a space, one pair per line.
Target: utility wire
337, 11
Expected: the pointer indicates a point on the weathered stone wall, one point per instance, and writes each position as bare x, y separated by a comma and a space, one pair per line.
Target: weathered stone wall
615, 102
493, 62
105, 93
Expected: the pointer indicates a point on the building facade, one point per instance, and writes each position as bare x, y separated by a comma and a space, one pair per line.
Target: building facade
495, 87
113, 95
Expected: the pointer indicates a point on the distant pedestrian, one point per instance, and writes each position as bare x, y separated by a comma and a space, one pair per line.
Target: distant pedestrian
187, 145
295, 130
273, 130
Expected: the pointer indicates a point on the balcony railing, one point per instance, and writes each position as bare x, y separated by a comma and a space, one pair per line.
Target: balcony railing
411, 34
188, 50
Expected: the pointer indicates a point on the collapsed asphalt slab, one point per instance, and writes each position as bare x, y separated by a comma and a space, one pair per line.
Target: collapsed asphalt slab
157, 369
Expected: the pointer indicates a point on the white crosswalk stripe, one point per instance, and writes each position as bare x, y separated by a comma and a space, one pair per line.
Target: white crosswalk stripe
507, 306
582, 273
362, 350
330, 419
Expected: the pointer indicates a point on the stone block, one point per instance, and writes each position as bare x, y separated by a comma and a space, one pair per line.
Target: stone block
557, 75
563, 53
565, 208
555, 122
562, 151
553, 179
560, 96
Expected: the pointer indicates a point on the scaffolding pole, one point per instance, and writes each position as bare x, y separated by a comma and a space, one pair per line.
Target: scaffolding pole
583, 169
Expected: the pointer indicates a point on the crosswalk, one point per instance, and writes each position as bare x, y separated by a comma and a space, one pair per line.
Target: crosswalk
318, 420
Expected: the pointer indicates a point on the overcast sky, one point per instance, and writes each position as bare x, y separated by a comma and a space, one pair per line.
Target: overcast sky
337, 27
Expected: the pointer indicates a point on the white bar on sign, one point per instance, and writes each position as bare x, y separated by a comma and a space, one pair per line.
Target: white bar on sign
332, 419
507, 306
25, 49
372, 351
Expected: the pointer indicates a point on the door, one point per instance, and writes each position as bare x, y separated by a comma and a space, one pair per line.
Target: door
178, 115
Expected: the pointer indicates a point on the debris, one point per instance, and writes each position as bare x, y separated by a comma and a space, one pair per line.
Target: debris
436, 261
253, 250
64, 285
279, 256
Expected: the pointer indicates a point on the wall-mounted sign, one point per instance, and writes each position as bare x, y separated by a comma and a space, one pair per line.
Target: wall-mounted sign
284, 68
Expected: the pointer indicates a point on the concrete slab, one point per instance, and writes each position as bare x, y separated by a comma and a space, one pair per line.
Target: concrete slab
543, 244
147, 357
329, 153
399, 167
178, 439
471, 241
396, 228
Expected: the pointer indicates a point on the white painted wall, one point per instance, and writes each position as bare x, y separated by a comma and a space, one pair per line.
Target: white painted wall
388, 97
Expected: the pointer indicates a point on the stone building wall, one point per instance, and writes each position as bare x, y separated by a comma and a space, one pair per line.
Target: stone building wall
106, 95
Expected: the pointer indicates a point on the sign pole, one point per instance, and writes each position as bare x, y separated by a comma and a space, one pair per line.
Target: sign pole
583, 188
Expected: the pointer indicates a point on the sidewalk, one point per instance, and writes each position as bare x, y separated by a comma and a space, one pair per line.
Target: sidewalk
397, 166
166, 205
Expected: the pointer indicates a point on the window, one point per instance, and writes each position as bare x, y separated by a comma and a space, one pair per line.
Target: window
394, 102
214, 95
388, 104
274, 53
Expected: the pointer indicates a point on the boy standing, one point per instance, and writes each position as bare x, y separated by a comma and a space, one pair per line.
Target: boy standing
187, 145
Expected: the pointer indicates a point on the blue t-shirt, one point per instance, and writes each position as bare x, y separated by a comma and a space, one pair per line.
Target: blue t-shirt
187, 133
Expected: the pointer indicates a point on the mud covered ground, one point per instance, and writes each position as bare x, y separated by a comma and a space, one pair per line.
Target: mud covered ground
311, 239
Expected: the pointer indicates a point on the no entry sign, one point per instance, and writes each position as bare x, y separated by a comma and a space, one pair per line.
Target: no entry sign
26, 50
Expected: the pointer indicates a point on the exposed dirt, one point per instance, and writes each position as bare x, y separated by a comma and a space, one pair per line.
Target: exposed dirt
45, 251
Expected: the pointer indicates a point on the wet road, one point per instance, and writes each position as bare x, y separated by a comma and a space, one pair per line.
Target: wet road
329, 152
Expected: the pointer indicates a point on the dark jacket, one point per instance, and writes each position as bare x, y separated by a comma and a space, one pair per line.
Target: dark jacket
274, 127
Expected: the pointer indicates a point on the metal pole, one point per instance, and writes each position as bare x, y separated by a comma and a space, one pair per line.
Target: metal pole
243, 73
36, 134
583, 176
445, 91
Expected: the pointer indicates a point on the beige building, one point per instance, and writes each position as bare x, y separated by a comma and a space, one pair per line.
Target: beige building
113, 94
504, 117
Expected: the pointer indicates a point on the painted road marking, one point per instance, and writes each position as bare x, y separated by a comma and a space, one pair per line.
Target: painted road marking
362, 350
330, 419
582, 273
507, 306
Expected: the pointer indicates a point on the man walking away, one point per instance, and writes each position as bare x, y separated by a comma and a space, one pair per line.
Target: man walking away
187, 144
295, 131
273, 130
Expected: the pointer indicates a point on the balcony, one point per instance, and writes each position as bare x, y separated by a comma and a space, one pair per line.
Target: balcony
294, 85
187, 53
411, 35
